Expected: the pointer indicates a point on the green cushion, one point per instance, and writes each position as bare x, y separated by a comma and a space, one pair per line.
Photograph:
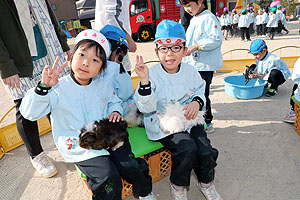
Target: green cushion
295, 100
140, 144
82, 175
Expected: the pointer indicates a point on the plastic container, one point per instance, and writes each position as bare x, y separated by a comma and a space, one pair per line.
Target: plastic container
235, 87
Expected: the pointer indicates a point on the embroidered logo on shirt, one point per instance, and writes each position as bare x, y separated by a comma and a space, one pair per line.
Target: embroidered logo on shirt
216, 26
71, 143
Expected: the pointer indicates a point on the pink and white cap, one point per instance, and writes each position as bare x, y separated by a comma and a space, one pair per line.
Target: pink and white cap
91, 34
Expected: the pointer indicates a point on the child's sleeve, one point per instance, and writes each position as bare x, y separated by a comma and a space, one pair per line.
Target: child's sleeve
37, 103
122, 84
296, 72
114, 104
214, 37
145, 98
199, 88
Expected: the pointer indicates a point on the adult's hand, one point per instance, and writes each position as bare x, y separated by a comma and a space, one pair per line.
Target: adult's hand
12, 81
131, 43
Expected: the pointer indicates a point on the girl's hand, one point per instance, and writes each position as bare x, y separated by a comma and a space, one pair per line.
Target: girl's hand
50, 75
142, 70
191, 110
12, 81
115, 117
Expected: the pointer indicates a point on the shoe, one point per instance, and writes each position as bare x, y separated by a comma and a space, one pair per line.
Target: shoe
210, 128
150, 196
178, 194
271, 92
289, 117
210, 192
287, 32
43, 165
249, 40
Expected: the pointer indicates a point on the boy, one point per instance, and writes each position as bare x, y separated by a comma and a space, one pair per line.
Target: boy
169, 82
268, 66
272, 23
204, 40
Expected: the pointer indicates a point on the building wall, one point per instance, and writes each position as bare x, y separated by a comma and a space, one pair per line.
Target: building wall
64, 9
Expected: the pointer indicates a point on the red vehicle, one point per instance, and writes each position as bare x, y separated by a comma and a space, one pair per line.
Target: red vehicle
145, 15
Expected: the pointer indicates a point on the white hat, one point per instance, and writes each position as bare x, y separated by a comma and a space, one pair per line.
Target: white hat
91, 34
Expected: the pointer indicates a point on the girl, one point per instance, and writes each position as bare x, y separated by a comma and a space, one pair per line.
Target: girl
225, 23
115, 71
259, 23
78, 99
265, 19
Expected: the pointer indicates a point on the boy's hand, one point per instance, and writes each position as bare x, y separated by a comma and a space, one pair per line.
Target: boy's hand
142, 70
256, 75
115, 117
191, 110
12, 81
192, 48
50, 75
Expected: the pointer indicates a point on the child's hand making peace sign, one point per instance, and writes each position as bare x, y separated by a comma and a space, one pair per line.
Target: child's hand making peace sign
142, 70
50, 74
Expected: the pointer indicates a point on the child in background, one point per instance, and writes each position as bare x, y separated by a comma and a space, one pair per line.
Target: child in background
235, 23
115, 71
284, 22
280, 17
259, 18
290, 116
204, 40
166, 83
265, 19
272, 23
244, 24
78, 99
225, 23
251, 19
268, 66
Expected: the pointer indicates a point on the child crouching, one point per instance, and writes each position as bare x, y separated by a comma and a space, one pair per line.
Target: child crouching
166, 83
79, 99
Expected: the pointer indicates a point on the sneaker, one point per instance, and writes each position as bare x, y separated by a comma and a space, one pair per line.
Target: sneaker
287, 32
209, 192
210, 128
271, 92
178, 194
43, 165
150, 196
289, 117
248, 40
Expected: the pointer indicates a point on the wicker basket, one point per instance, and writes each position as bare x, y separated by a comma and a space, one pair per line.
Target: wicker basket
159, 167
297, 116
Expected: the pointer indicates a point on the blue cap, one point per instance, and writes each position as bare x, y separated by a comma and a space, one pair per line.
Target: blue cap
169, 32
114, 33
257, 46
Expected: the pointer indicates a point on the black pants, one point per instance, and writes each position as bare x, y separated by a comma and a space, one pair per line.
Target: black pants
276, 78
279, 28
251, 28
191, 151
264, 29
28, 131
235, 30
103, 174
283, 28
245, 31
207, 76
292, 103
272, 32
259, 29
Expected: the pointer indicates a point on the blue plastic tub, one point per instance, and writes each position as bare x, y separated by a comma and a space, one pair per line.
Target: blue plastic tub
235, 87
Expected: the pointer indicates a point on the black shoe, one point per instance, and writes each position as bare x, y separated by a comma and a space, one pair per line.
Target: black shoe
287, 32
271, 92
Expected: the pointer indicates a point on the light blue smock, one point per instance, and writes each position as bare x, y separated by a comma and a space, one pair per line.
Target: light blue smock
167, 88
72, 106
271, 62
204, 29
244, 21
296, 78
273, 21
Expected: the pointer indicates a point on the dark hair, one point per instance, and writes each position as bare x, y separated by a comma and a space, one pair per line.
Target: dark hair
184, 2
226, 12
100, 53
